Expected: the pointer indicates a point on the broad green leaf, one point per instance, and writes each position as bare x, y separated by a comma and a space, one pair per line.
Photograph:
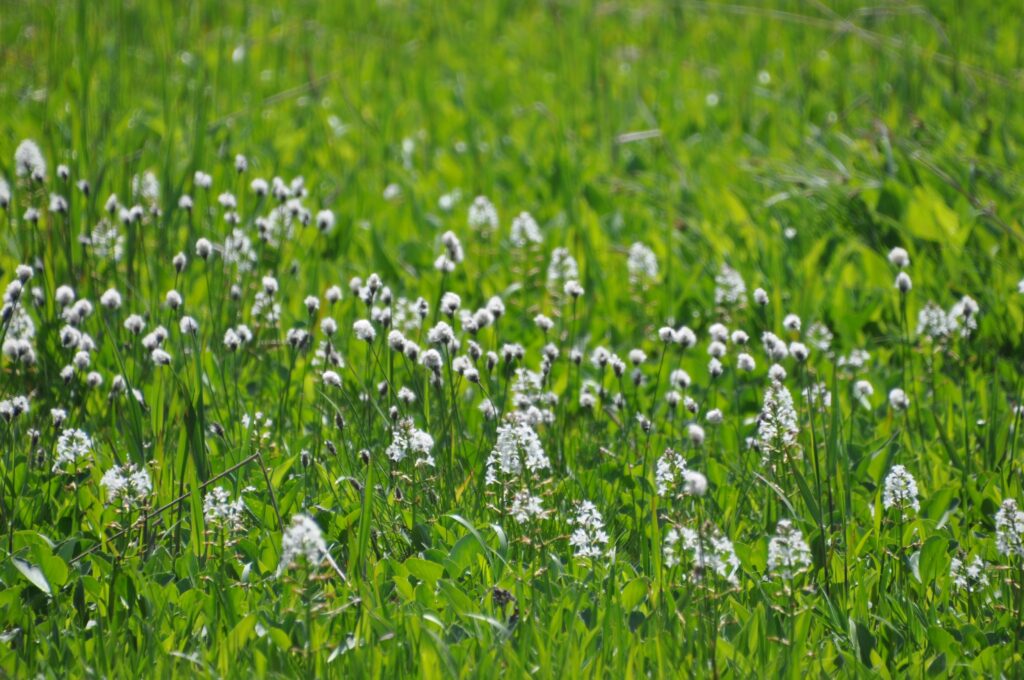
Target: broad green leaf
928, 217
424, 570
633, 594
33, 573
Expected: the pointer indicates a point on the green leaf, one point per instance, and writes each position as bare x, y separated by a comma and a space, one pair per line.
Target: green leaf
633, 594
459, 600
464, 552
808, 497
939, 505
475, 533
928, 217
281, 639
943, 641
863, 641
933, 561
242, 632
54, 567
33, 573
424, 570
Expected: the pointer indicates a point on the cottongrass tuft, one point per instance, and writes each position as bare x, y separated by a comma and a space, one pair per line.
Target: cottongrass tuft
364, 330
898, 399
29, 162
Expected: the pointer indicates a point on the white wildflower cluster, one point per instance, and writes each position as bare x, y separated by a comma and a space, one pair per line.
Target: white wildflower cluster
128, 486
788, 552
235, 338
483, 217
971, 576
730, 289
237, 251
525, 231
517, 449
533, 403
407, 439
932, 322
963, 316
278, 226
899, 258
855, 361
778, 425
265, 308
222, 513
19, 340
258, 424
1010, 529
562, 268
589, 539
670, 467
525, 507
900, 491
407, 315
302, 541
106, 241
818, 395
642, 264
72, 446
938, 325
707, 552
522, 367
774, 347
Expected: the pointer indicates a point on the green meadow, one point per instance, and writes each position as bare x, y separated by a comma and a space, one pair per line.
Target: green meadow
511, 339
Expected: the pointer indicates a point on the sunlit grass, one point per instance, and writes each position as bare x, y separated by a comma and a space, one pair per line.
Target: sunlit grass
721, 378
